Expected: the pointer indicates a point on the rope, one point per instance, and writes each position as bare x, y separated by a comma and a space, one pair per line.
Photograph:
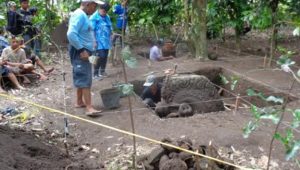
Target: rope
10, 97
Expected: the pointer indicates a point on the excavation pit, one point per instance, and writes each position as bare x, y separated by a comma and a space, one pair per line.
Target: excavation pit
208, 89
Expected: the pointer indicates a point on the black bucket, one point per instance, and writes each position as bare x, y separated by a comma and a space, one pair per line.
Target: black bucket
110, 98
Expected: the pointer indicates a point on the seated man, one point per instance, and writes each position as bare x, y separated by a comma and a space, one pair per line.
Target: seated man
15, 60
4, 72
155, 52
152, 92
34, 59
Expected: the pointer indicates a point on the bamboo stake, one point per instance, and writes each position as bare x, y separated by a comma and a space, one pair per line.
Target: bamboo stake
237, 103
128, 97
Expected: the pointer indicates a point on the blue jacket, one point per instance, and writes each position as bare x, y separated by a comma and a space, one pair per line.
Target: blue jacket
119, 10
80, 33
3, 43
102, 28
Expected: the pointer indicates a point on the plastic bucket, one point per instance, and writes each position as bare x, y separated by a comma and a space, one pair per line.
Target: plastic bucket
110, 98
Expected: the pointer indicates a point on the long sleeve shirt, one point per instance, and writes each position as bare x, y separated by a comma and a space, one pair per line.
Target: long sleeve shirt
102, 28
80, 32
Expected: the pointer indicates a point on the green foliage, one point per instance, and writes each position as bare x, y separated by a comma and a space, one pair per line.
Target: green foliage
249, 128
127, 89
259, 19
161, 13
223, 79
233, 81
278, 100
285, 60
287, 138
296, 32
296, 120
128, 57
291, 145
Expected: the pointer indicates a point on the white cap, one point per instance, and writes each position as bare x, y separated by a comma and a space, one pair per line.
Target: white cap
96, 1
11, 3
150, 80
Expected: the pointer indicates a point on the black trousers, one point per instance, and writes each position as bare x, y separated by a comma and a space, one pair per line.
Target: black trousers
101, 62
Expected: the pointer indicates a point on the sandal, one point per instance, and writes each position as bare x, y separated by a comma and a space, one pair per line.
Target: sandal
93, 114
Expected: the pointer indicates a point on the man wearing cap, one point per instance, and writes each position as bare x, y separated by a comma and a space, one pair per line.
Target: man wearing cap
152, 92
14, 19
81, 39
28, 29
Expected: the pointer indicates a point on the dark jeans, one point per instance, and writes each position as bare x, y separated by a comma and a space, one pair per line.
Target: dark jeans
101, 61
30, 44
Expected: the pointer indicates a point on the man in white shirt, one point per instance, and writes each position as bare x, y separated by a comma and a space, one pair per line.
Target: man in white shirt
156, 54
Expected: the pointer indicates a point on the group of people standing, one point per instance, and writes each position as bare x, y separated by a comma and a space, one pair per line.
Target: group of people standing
90, 32
20, 23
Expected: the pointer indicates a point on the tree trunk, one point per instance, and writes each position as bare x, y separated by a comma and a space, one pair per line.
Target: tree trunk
187, 19
203, 28
199, 28
272, 44
273, 37
238, 39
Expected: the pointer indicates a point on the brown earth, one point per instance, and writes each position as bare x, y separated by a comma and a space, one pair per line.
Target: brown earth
222, 128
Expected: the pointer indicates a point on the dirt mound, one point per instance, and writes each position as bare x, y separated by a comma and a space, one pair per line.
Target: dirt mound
20, 150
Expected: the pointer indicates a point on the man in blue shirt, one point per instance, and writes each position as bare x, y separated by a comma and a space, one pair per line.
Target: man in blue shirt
3, 41
102, 28
81, 39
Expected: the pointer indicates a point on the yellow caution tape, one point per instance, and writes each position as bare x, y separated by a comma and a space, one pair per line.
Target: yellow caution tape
10, 97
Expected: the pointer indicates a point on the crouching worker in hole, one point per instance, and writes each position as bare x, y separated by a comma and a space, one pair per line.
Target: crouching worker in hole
152, 92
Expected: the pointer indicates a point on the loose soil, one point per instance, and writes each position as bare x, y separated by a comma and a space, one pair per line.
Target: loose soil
21, 150
96, 146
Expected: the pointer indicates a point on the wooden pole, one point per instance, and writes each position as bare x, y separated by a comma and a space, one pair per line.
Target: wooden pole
237, 103
128, 97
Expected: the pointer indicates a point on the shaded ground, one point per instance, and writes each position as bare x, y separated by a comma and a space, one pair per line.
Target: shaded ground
222, 128
20, 150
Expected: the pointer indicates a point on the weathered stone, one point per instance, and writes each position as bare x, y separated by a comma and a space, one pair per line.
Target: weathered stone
195, 90
155, 155
185, 156
185, 110
163, 160
168, 149
174, 164
173, 115
173, 155
185, 143
162, 109
148, 167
